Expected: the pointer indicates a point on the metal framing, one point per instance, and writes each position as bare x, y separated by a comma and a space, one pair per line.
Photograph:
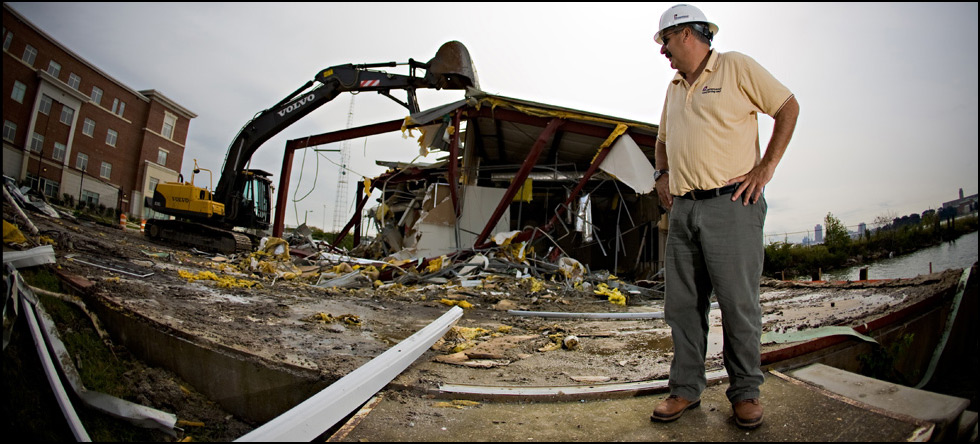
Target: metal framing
518, 181
311, 141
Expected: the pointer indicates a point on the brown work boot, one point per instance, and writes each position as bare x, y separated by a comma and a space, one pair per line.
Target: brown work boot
672, 408
748, 413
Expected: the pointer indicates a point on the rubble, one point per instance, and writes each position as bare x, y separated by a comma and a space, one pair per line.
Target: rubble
297, 302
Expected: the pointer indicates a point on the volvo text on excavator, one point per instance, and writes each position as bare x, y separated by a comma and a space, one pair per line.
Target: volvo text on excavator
243, 196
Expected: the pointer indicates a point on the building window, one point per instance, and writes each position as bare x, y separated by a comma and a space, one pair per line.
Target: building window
88, 128
45, 106
9, 131
118, 106
74, 81
162, 157
29, 55
90, 198
106, 170
59, 151
169, 123
153, 184
19, 90
110, 138
37, 142
54, 68
9, 37
96, 95
81, 162
50, 187
67, 114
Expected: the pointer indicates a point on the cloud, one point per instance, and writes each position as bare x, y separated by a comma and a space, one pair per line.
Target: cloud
888, 106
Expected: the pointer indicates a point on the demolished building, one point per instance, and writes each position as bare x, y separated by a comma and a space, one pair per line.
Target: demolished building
547, 181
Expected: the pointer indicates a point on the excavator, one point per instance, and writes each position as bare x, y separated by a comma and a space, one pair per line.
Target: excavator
228, 219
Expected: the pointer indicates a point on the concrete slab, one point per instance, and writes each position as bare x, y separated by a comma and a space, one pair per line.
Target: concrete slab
942, 410
794, 411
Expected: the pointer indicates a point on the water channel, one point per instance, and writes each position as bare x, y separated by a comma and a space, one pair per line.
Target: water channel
960, 253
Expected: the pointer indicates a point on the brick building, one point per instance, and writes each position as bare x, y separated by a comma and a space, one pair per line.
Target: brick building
70, 129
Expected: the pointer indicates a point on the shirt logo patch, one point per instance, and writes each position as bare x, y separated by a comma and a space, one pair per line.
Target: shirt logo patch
707, 90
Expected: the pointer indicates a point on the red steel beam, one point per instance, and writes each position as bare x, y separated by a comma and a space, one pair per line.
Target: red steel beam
319, 139
350, 133
518, 182
280, 218
578, 188
453, 163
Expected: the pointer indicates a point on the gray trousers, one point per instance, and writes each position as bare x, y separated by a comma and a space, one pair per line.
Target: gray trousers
715, 245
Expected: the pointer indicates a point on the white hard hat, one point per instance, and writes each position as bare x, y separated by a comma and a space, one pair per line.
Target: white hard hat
679, 14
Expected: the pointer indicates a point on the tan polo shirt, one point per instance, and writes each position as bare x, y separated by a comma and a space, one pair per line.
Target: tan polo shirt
711, 128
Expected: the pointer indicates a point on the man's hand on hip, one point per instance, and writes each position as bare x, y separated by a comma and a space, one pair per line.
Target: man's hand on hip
752, 185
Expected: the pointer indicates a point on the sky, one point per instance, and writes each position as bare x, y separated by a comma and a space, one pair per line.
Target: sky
887, 91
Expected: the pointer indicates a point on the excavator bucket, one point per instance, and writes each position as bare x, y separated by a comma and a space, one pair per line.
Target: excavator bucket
452, 68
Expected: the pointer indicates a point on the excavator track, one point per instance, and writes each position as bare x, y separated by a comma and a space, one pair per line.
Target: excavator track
199, 236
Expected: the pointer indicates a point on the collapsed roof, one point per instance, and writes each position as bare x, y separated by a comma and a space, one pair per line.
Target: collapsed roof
555, 180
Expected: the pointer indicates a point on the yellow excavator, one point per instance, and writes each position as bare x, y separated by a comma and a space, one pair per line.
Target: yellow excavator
243, 197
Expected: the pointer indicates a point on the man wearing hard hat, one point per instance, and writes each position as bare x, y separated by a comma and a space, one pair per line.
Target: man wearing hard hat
710, 176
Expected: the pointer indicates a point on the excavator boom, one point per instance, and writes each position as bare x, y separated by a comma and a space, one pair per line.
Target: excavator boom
246, 194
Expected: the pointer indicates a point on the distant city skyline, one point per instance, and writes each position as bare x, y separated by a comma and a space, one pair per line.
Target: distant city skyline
861, 227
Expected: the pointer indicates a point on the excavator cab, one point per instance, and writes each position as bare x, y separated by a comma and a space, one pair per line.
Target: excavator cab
256, 200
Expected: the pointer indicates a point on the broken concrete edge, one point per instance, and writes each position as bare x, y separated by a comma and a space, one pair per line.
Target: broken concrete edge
320, 412
922, 434
772, 358
904, 401
156, 342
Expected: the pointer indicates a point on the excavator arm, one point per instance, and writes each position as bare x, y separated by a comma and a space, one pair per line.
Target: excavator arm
451, 68
242, 197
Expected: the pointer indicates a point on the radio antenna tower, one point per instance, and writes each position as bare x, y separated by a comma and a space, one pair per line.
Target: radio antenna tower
340, 215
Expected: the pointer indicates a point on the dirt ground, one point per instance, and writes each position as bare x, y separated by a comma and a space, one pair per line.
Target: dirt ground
274, 310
